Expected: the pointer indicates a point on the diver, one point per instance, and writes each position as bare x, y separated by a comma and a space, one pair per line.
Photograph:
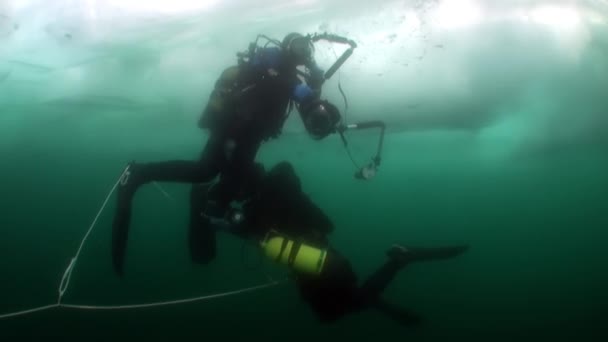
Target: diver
295, 233
288, 227
248, 106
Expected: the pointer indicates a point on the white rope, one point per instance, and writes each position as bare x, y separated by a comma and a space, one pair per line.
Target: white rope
162, 191
179, 301
25, 312
141, 306
65, 280
67, 274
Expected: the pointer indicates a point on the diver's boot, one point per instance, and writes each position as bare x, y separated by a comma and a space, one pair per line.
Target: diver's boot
129, 182
403, 255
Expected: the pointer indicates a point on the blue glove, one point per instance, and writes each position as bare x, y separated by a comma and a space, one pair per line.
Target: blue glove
301, 93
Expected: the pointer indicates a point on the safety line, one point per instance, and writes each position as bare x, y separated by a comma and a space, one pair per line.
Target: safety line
25, 312
162, 191
173, 302
140, 306
65, 279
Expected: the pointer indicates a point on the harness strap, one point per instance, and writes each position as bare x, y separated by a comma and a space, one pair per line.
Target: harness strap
294, 252
283, 247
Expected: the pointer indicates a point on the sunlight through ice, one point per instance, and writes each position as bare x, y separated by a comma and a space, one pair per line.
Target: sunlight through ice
458, 14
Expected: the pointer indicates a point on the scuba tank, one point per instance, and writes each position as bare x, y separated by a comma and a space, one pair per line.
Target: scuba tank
301, 257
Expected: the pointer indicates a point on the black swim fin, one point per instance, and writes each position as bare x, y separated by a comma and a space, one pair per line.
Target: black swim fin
201, 235
405, 255
122, 218
398, 314
120, 234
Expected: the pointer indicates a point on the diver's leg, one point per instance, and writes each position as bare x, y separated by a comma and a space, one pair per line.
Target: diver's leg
379, 280
138, 174
168, 171
181, 171
333, 293
239, 173
399, 257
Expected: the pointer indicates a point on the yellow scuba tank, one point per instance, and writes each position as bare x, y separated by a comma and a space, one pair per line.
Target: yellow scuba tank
301, 257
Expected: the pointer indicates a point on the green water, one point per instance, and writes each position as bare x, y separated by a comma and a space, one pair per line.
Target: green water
536, 226
497, 137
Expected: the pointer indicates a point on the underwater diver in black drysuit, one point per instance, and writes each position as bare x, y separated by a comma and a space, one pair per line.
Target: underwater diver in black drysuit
248, 106
291, 229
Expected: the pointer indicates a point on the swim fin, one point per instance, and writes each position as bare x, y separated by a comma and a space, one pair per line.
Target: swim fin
201, 235
405, 255
398, 314
122, 218
120, 234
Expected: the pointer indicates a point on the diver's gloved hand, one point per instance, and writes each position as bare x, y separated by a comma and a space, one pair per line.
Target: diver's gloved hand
302, 93
232, 218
